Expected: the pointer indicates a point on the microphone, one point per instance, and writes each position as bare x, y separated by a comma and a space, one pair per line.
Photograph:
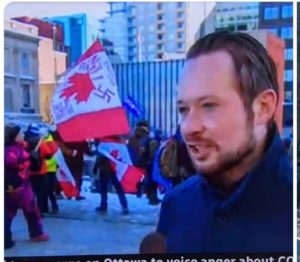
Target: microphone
153, 243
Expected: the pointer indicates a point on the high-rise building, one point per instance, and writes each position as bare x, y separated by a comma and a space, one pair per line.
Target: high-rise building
236, 16
277, 17
114, 28
153, 31
80, 31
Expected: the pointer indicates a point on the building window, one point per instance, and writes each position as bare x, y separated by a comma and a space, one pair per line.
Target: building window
159, 6
160, 17
289, 54
271, 13
7, 60
287, 32
180, 14
242, 27
8, 100
288, 96
76, 21
287, 11
273, 31
288, 75
180, 4
160, 27
180, 25
25, 63
26, 95
179, 35
160, 36
179, 45
159, 47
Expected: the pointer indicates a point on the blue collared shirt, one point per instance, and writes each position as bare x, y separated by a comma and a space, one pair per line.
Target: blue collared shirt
256, 217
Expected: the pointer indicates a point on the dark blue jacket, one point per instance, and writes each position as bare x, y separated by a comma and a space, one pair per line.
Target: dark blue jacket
256, 217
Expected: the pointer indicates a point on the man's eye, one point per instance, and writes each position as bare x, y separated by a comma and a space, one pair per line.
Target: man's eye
182, 109
209, 105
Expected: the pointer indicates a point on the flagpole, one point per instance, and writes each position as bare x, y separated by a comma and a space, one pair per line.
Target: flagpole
55, 71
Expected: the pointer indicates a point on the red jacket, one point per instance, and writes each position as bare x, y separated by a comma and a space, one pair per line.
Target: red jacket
46, 149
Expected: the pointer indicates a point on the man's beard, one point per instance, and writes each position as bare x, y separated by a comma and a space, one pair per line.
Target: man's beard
230, 160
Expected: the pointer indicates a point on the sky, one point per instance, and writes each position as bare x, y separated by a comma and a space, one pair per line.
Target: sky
46, 9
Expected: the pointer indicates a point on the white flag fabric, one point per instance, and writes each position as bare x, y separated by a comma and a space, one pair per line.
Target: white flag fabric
64, 176
87, 94
127, 174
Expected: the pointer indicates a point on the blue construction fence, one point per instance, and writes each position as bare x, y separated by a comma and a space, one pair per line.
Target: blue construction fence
152, 86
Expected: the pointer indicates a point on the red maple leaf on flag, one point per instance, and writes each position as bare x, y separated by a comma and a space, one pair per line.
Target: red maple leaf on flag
82, 86
116, 155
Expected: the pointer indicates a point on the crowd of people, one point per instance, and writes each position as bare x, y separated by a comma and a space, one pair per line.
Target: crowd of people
30, 171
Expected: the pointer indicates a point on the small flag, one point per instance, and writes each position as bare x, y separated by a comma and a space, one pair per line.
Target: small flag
64, 176
127, 174
132, 106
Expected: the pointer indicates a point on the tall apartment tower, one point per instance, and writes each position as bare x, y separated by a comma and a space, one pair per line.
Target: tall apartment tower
237, 16
80, 31
153, 31
277, 17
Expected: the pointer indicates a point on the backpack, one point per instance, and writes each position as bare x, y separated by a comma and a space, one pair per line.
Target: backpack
35, 158
168, 159
149, 146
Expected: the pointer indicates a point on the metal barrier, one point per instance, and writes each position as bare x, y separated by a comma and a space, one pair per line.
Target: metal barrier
153, 86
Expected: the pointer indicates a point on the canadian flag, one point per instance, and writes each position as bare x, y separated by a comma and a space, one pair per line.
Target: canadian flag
86, 99
127, 174
64, 176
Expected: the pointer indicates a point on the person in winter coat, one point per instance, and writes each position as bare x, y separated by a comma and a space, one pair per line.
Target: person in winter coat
150, 146
40, 151
241, 200
104, 168
135, 143
51, 180
74, 157
18, 192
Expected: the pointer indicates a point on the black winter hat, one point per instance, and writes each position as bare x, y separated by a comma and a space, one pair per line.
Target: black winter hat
11, 132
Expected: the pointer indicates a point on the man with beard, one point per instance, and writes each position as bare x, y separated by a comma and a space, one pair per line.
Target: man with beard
242, 199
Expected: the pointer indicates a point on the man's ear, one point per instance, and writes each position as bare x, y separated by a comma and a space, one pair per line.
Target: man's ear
264, 106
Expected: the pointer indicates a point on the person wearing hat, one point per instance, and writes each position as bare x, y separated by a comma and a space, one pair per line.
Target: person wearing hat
38, 171
134, 145
141, 132
18, 192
